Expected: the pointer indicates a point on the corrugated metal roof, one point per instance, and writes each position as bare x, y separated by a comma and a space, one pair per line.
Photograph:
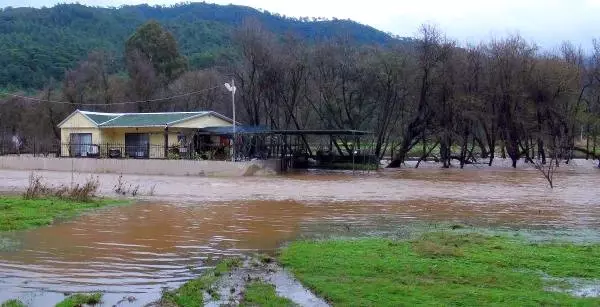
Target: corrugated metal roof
101, 118
107, 120
265, 130
150, 119
238, 130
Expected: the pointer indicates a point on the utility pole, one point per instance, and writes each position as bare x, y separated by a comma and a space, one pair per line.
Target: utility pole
231, 87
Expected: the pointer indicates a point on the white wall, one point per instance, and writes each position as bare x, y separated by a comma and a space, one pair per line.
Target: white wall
140, 167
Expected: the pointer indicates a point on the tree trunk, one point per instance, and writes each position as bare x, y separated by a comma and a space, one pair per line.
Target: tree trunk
587, 142
492, 151
445, 152
484, 152
463, 151
541, 151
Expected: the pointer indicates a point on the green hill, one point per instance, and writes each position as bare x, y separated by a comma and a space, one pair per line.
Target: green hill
39, 44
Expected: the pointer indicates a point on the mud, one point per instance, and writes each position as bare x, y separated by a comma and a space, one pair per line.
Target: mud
189, 222
579, 287
232, 286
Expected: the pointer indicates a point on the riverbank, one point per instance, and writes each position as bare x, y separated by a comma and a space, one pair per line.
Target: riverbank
17, 213
256, 281
456, 268
439, 269
189, 222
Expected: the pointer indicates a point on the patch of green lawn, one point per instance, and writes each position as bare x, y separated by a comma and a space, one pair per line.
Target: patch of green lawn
81, 299
17, 213
13, 303
441, 269
191, 294
260, 294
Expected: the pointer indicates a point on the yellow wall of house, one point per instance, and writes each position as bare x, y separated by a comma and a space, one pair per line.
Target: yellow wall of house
203, 122
78, 121
116, 136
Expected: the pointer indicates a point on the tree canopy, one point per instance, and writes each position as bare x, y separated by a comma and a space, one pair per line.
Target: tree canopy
40, 44
153, 44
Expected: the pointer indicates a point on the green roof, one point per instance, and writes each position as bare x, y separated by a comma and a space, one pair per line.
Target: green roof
148, 120
142, 119
100, 118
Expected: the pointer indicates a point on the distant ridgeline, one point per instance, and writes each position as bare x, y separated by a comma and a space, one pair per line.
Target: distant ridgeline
39, 44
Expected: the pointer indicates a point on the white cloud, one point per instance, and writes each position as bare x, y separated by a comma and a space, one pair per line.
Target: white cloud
548, 22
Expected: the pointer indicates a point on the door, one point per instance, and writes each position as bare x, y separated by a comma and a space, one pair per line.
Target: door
137, 145
80, 144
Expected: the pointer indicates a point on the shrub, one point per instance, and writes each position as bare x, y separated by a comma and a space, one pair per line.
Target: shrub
36, 187
79, 192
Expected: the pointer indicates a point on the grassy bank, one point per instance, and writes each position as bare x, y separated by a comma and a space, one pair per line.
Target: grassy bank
191, 294
262, 294
17, 213
443, 269
81, 300
13, 303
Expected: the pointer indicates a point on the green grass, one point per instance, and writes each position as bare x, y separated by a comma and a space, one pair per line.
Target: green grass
260, 294
441, 269
17, 213
81, 299
13, 303
191, 293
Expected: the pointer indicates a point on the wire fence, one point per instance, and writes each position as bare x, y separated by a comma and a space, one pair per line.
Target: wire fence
216, 152
112, 151
293, 154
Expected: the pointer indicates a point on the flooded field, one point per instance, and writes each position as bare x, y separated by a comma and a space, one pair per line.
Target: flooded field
184, 224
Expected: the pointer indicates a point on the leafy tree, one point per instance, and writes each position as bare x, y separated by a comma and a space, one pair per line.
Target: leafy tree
152, 43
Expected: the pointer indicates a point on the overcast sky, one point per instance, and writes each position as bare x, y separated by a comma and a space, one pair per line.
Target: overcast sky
547, 22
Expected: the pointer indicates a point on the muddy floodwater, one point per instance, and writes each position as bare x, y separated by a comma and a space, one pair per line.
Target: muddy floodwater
184, 224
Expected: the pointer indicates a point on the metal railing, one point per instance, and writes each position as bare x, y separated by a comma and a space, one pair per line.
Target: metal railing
116, 151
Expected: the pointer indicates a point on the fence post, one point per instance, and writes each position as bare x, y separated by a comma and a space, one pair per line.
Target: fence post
166, 142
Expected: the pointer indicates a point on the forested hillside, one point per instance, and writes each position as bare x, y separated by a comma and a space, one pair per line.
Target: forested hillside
39, 44
431, 96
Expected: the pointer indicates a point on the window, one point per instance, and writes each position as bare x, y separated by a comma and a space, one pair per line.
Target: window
137, 145
80, 144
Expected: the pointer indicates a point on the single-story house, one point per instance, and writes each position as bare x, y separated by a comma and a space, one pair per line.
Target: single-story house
138, 135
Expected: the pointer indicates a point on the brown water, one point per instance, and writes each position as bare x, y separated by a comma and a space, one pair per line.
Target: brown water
189, 222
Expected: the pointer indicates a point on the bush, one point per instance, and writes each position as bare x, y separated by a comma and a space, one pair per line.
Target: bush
84, 192
13, 303
123, 188
79, 192
36, 188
